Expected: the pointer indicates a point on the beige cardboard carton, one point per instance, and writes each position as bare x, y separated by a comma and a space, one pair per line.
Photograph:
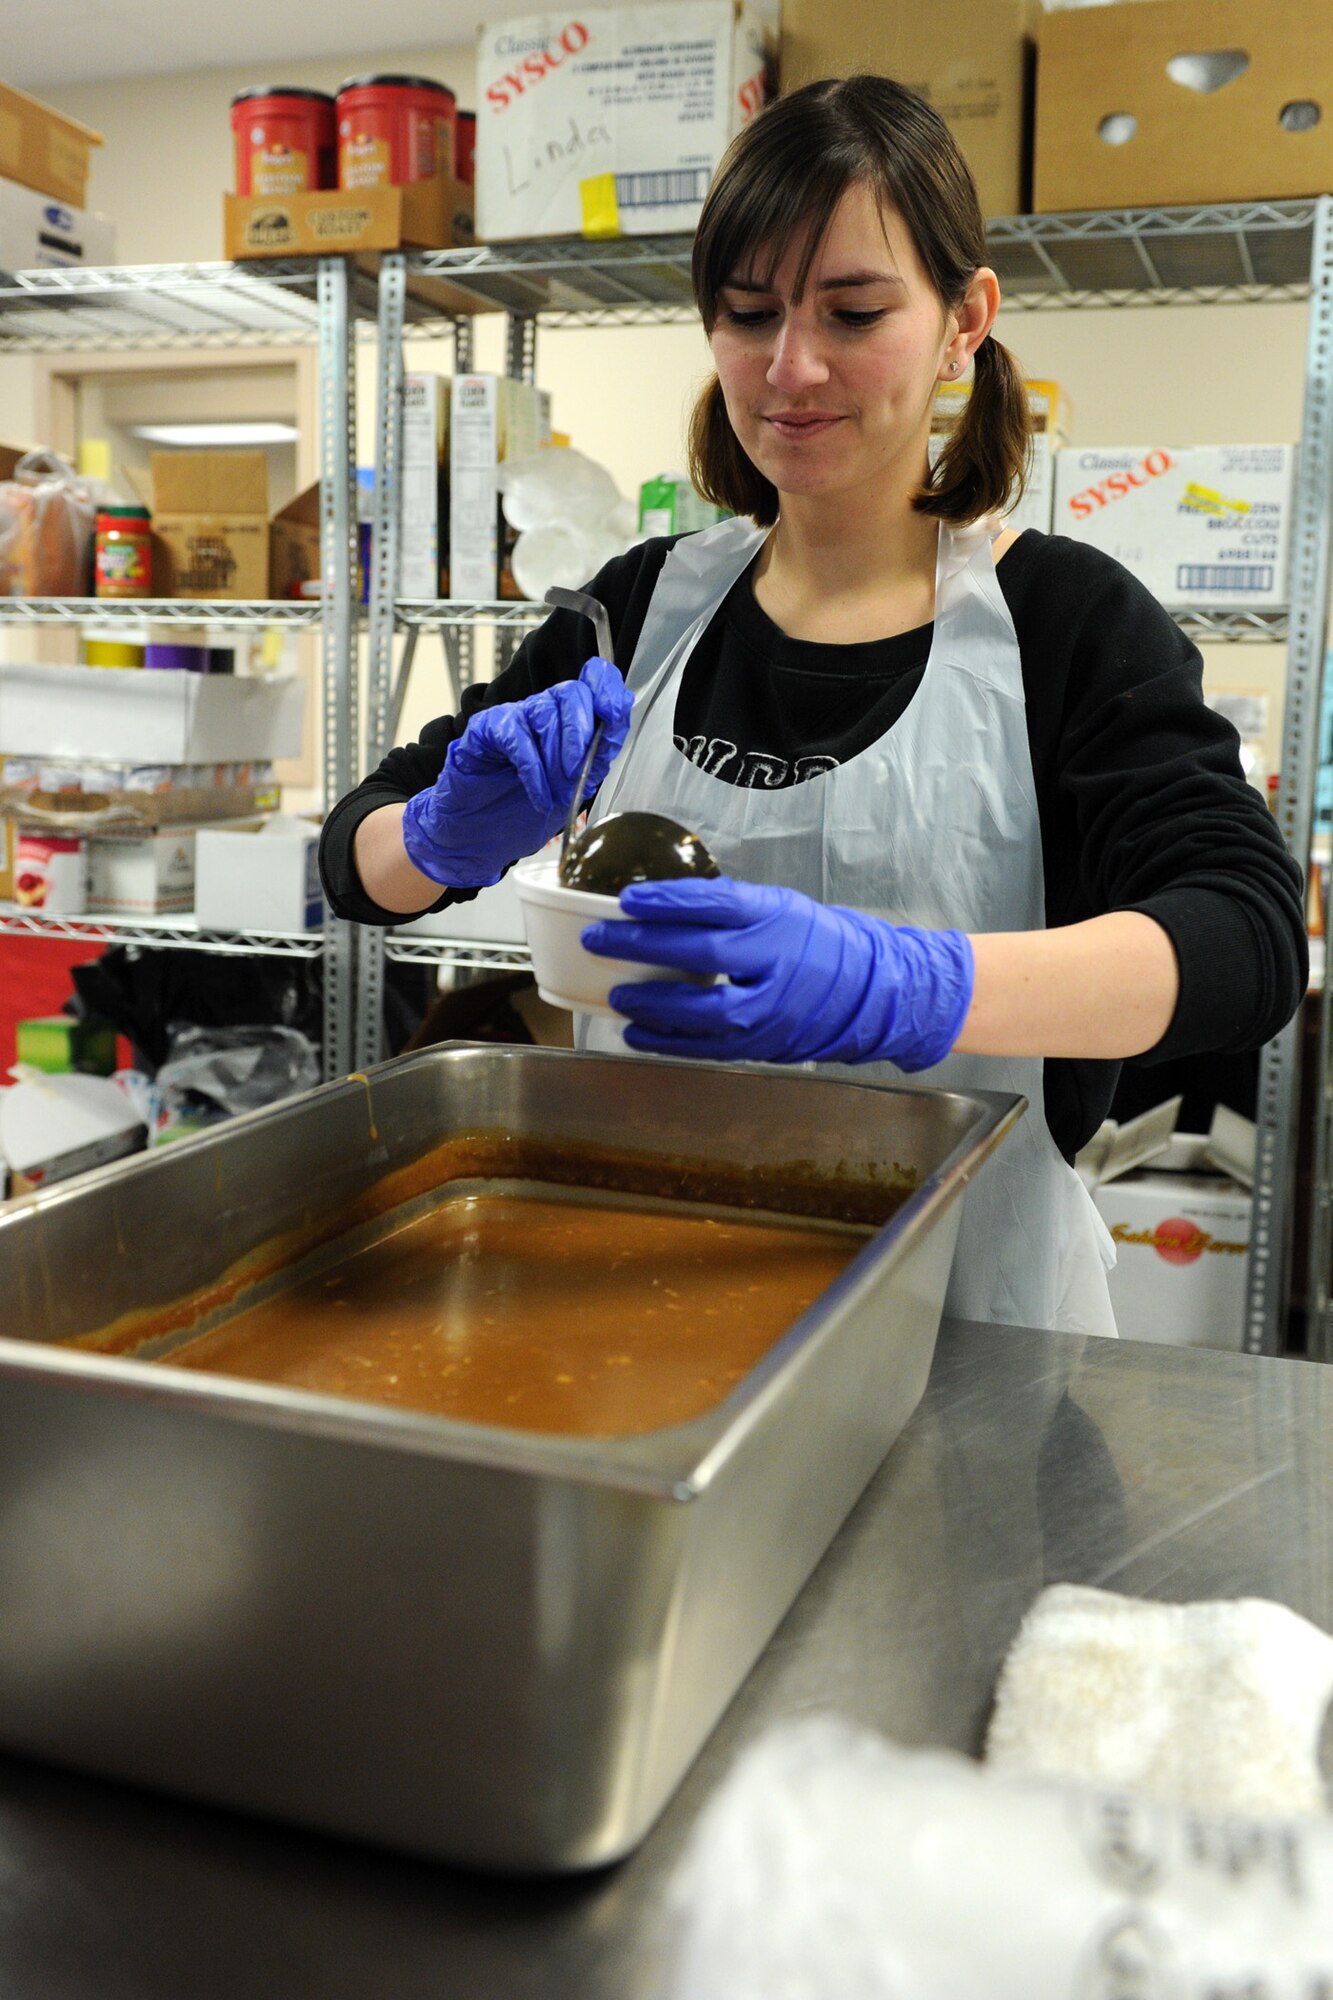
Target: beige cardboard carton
210, 515
43, 149
430, 215
293, 545
1183, 101
972, 60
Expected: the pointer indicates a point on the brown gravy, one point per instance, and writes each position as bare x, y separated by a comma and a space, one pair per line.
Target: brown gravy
544, 1315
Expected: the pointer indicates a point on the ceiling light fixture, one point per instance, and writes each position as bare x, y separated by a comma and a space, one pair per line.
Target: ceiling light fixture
219, 434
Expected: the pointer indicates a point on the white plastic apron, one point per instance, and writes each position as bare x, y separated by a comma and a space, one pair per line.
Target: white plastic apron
935, 824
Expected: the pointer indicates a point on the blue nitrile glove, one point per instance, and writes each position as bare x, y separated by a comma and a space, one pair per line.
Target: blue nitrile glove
509, 778
807, 983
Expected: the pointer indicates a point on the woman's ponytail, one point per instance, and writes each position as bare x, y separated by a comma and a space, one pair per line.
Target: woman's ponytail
983, 467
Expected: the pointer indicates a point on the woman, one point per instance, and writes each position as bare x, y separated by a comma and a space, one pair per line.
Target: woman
975, 821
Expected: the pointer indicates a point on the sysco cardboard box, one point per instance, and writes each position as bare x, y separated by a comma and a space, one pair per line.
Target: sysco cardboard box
1206, 526
610, 122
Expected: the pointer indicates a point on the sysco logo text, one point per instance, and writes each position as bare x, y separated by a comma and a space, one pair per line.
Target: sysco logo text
1118, 484
525, 74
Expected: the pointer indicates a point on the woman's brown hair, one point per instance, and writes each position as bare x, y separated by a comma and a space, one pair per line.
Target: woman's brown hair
783, 176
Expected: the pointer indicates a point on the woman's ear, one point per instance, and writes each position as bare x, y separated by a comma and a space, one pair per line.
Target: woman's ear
971, 321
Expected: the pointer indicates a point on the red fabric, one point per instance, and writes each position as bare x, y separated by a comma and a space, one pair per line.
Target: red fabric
35, 979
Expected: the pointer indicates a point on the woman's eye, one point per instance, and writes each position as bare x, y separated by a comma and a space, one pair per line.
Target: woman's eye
755, 317
848, 317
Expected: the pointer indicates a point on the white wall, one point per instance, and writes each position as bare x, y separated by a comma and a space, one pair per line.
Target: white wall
1182, 376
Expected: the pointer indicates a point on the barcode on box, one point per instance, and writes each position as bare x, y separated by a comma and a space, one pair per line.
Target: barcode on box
1224, 576
660, 190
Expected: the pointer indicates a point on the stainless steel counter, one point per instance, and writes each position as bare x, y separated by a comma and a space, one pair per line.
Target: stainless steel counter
1033, 1459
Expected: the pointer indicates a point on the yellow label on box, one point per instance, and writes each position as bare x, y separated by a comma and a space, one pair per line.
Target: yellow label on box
601, 210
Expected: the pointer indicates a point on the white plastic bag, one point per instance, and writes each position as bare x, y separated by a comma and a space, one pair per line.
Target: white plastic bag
48, 515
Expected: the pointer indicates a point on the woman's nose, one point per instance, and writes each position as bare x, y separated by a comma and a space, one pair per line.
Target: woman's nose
797, 359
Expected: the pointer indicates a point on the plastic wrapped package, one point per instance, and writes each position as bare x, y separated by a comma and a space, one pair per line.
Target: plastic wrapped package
48, 516
570, 515
831, 1863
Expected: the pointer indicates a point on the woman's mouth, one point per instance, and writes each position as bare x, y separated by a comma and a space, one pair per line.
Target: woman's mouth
801, 424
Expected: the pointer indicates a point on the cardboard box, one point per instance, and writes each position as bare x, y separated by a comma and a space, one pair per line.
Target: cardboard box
293, 545
43, 149
423, 525
1209, 525
610, 122
60, 1045
146, 874
39, 233
429, 215
210, 515
973, 60
1183, 101
1182, 1257
142, 717
669, 505
1051, 415
492, 418
260, 877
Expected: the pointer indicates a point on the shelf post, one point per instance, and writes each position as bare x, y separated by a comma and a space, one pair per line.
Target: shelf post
337, 550
383, 594
1303, 747
1277, 1121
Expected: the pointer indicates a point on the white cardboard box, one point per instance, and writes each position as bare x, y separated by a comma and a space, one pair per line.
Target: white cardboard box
39, 233
137, 716
492, 418
1204, 526
147, 874
610, 122
423, 460
1182, 1257
255, 877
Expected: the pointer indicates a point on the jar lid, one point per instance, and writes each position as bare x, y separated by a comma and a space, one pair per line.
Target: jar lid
114, 515
281, 90
396, 83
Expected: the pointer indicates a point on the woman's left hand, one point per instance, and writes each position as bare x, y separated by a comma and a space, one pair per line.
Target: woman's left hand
800, 981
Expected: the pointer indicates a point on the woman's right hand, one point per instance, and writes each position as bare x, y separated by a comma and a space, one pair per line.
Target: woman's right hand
508, 780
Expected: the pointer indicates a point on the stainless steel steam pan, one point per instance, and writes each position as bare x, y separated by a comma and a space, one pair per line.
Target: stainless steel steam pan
495, 1647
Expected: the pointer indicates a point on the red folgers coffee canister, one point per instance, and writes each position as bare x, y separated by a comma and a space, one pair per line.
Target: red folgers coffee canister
393, 129
465, 148
286, 140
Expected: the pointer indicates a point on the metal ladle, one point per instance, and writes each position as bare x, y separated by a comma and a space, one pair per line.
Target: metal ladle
591, 608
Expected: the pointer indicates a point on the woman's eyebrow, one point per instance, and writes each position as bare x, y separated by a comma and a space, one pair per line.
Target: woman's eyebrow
851, 280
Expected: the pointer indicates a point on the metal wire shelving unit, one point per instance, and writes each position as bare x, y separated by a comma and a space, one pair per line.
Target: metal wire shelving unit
1130, 258
325, 302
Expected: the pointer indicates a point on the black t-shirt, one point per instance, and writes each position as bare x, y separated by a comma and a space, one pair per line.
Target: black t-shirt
1142, 802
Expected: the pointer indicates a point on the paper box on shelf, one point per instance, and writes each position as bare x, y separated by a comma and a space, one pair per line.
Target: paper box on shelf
52, 1127
492, 418
293, 544
423, 528
1183, 101
44, 149
261, 876
1050, 412
1208, 525
210, 515
142, 717
972, 60
37, 232
427, 215
141, 874
610, 122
